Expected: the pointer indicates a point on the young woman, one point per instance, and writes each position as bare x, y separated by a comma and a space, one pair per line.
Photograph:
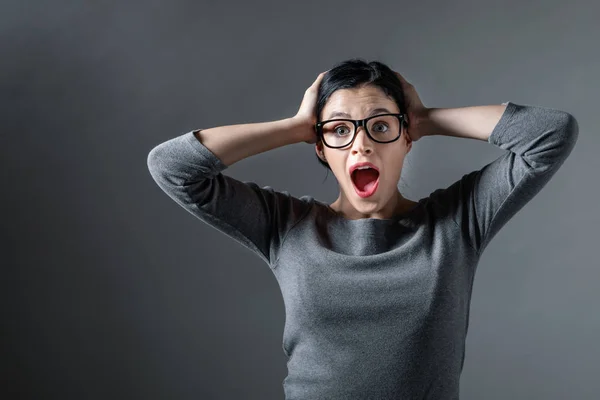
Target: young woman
376, 287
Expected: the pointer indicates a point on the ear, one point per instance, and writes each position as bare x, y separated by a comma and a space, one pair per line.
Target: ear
409, 143
320, 151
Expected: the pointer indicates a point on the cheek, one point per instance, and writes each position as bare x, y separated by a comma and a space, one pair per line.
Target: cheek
338, 166
393, 166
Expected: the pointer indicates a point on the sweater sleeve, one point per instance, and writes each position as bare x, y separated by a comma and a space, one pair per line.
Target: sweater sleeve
538, 141
256, 217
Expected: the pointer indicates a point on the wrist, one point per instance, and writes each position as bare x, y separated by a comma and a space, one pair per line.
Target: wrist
300, 128
424, 123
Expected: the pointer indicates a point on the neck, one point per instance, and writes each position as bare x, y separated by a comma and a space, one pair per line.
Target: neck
397, 204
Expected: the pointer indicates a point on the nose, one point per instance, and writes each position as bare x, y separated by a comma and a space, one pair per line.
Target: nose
362, 141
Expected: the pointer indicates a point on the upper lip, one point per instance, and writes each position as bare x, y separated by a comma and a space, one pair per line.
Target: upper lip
362, 164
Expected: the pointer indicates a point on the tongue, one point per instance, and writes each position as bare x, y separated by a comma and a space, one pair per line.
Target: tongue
364, 179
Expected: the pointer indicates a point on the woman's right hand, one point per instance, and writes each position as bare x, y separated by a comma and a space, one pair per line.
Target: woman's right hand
306, 115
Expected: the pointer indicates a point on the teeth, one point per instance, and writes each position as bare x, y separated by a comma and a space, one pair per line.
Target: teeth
363, 167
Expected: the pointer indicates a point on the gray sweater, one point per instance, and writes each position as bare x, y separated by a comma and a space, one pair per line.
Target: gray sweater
375, 308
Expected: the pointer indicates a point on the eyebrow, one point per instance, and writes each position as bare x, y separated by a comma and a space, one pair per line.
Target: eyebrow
379, 110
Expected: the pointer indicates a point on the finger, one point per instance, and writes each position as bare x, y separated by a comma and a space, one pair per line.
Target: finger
319, 78
322, 74
404, 81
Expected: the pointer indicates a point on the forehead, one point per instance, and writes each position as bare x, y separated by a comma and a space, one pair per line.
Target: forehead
358, 102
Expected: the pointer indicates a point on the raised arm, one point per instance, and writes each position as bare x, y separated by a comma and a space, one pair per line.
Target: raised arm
189, 168
537, 139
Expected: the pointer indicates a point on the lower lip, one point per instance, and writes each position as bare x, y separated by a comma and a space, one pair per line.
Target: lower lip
367, 193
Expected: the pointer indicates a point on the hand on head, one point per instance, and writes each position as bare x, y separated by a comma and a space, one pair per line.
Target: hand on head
306, 113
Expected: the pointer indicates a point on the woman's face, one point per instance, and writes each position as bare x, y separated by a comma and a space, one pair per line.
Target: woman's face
388, 157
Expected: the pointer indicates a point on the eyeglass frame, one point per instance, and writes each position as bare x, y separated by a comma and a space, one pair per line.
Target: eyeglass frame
403, 118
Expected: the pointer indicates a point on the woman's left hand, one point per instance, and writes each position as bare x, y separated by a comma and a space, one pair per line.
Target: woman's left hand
417, 112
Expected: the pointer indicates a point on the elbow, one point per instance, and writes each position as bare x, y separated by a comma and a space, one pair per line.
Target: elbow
565, 133
156, 160
569, 132
153, 161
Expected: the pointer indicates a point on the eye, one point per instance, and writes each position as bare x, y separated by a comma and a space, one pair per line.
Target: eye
380, 124
339, 126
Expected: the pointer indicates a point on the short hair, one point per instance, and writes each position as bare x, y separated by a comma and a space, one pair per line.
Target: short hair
354, 73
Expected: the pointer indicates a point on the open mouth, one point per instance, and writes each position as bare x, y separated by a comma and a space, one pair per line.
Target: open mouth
365, 181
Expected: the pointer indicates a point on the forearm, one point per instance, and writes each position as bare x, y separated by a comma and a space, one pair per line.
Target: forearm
233, 143
476, 122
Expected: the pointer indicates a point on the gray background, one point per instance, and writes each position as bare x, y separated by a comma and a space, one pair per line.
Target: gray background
111, 290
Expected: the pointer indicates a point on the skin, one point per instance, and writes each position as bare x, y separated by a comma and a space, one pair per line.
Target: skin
389, 157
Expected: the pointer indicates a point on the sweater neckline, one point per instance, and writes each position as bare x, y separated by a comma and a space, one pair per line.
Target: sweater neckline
377, 221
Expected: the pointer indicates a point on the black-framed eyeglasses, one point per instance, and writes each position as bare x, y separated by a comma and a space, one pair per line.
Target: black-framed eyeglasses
381, 128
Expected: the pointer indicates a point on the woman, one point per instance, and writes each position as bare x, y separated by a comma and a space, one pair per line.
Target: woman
376, 287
